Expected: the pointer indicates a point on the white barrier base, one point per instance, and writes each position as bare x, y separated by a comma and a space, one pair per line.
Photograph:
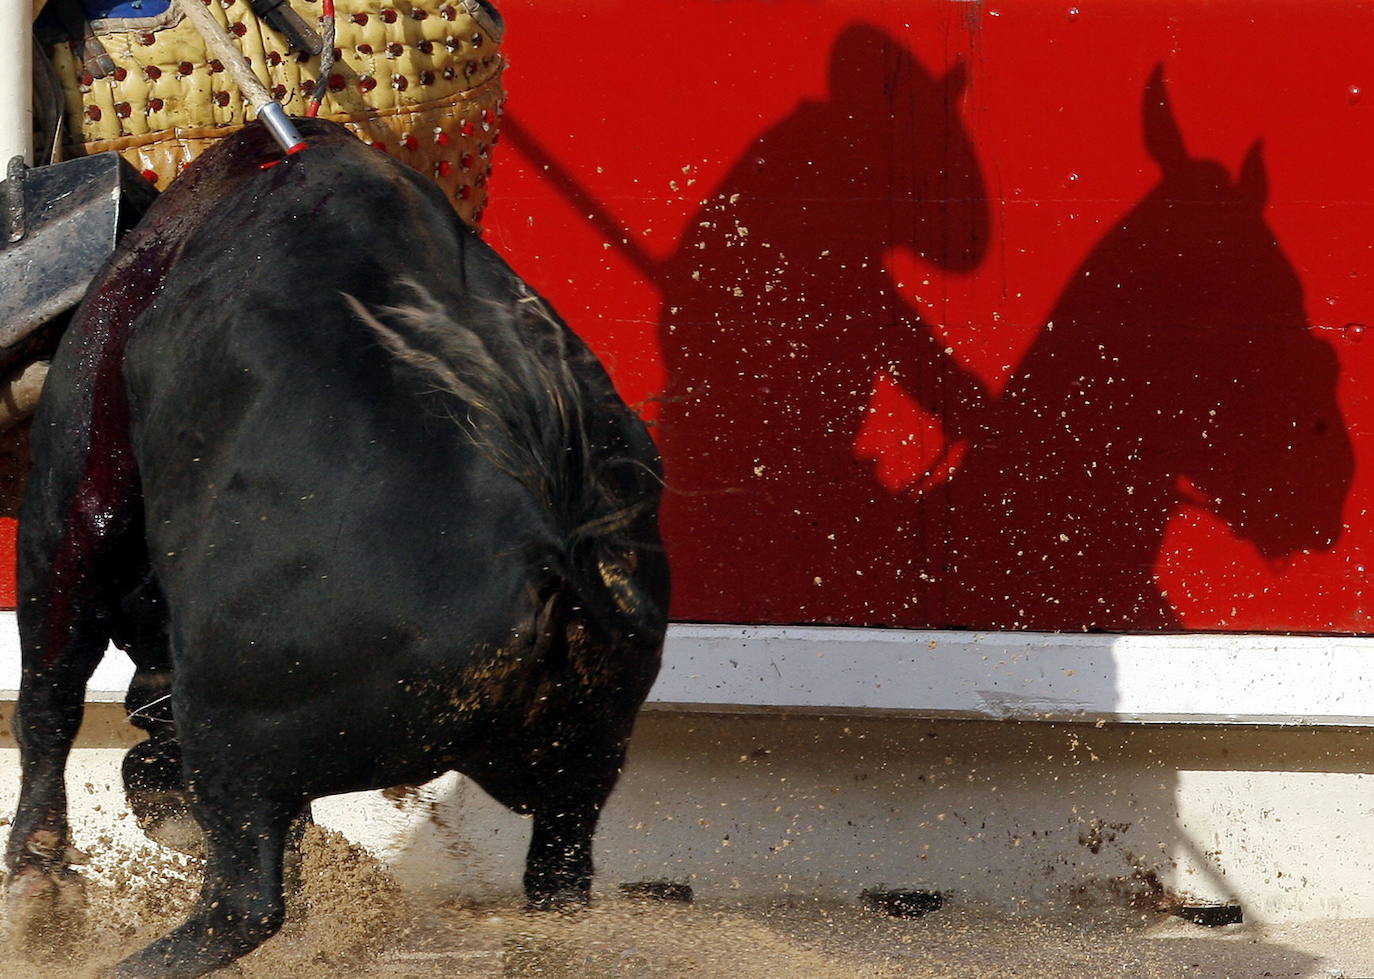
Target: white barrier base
1150, 679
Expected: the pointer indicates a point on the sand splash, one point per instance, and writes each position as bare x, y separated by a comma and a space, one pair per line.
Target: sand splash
348, 911
351, 919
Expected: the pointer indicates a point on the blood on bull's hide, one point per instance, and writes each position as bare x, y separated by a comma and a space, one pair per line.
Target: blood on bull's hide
361, 509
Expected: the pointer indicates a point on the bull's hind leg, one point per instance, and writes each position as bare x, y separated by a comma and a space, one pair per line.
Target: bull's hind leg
241, 903
45, 896
79, 523
66, 613
152, 771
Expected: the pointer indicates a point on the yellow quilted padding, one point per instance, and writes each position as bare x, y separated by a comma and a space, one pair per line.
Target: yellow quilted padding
418, 78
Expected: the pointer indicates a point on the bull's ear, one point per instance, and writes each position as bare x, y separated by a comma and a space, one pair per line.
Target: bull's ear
1163, 139
1253, 182
956, 80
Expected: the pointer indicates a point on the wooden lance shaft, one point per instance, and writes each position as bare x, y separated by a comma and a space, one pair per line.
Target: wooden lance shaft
217, 40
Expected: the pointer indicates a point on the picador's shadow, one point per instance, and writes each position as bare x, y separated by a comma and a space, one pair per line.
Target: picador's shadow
779, 311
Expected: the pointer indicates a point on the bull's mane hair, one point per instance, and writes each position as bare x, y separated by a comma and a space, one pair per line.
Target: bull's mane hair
520, 405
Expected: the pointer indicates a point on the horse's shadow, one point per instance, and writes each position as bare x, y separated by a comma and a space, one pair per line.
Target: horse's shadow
1178, 368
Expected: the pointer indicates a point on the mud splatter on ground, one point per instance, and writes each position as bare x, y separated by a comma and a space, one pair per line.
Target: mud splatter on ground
352, 920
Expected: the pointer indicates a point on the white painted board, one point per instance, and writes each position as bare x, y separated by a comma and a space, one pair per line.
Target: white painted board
1205, 679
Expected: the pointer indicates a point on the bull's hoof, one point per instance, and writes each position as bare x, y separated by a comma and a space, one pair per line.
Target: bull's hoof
136, 967
157, 796
46, 911
565, 899
173, 828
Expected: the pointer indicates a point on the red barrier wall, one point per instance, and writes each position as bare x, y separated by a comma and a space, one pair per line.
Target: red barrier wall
987, 315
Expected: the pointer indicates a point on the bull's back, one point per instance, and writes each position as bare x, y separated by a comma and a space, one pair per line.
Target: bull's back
313, 514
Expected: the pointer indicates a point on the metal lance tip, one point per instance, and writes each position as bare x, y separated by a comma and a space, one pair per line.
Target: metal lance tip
221, 45
283, 130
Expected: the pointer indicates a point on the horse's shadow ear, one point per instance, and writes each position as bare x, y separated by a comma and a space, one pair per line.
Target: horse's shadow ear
1253, 182
1163, 139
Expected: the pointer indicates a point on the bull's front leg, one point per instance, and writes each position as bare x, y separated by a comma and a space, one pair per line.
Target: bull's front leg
45, 896
573, 785
558, 867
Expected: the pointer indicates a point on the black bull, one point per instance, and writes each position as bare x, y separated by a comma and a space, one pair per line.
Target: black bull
358, 501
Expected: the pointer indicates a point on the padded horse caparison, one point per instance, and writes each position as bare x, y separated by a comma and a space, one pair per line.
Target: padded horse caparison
420, 79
